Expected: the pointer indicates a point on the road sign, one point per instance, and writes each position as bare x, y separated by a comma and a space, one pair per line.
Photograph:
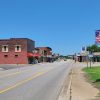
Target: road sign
90, 55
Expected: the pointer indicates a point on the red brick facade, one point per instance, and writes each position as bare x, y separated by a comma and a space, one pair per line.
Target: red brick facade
45, 51
13, 57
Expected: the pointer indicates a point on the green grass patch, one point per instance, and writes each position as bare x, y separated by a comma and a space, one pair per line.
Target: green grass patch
93, 73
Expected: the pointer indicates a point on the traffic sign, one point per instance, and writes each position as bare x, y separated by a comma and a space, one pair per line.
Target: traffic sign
90, 55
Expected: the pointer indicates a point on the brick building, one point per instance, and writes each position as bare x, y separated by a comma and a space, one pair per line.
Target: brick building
45, 52
16, 51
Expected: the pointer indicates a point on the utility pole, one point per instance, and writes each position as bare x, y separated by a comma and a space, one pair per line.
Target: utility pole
75, 57
90, 62
87, 59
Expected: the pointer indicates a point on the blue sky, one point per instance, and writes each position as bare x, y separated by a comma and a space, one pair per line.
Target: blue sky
64, 25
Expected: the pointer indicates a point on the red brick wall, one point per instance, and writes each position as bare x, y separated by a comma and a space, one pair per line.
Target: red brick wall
12, 59
46, 49
30, 45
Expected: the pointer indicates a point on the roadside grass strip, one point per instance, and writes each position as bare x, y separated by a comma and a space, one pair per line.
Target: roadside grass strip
22, 82
93, 76
93, 73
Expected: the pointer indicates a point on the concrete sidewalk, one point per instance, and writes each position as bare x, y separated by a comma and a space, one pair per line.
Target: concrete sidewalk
81, 89
78, 88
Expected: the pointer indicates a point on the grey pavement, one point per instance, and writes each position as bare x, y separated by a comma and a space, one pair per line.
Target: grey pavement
12, 66
35, 82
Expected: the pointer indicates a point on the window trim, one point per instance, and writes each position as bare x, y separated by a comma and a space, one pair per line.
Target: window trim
7, 49
19, 49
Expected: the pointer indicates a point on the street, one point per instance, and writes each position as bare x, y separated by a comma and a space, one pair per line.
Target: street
35, 82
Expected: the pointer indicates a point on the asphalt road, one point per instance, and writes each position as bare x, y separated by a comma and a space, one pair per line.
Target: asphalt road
37, 82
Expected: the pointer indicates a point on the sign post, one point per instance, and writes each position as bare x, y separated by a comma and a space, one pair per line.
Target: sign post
90, 58
87, 59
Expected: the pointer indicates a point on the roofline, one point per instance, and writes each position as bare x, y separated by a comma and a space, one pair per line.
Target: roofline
45, 47
22, 38
16, 39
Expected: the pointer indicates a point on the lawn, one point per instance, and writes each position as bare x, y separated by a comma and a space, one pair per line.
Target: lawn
93, 75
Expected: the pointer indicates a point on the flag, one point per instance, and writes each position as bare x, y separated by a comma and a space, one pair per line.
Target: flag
97, 35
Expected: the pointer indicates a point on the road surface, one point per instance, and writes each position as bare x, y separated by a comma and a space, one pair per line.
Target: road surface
37, 82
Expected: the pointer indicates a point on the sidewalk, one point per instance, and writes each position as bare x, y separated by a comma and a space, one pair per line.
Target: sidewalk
78, 88
81, 89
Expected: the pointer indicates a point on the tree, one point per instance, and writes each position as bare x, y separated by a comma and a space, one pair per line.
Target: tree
93, 48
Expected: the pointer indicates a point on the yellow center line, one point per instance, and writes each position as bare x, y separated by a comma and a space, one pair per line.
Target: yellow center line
22, 82
13, 73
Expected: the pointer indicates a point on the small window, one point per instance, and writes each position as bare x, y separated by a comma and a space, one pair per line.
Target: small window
5, 56
5, 48
17, 48
16, 56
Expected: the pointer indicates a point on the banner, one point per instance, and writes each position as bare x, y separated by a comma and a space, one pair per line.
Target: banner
97, 36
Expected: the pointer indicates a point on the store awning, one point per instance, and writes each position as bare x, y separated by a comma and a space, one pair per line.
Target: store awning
29, 54
33, 55
36, 55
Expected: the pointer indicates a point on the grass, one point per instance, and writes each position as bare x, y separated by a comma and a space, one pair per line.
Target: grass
94, 75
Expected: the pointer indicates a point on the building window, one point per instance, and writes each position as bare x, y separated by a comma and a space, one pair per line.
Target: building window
5, 56
17, 48
5, 48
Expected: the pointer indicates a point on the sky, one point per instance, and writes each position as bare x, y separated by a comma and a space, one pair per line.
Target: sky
63, 25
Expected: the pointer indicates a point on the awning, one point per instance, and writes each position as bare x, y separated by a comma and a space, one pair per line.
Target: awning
36, 55
33, 55
29, 54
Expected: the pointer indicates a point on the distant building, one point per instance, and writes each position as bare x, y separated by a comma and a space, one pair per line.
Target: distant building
45, 52
16, 51
96, 56
82, 57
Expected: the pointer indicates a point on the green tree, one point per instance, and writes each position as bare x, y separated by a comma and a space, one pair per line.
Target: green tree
93, 48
